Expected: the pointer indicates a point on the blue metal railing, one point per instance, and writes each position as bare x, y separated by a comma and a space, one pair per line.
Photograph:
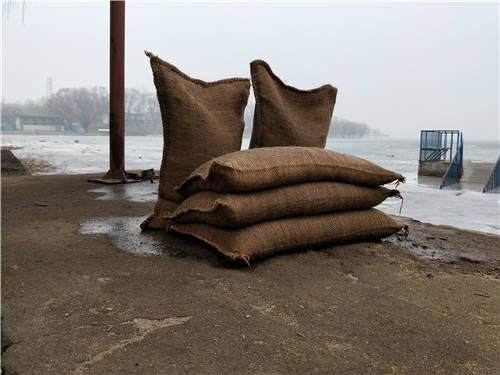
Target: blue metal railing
494, 180
456, 168
438, 144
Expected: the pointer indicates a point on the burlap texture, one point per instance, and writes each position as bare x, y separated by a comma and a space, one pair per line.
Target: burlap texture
264, 168
161, 212
287, 116
201, 120
233, 210
279, 235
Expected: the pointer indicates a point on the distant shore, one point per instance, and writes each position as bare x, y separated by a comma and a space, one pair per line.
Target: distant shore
136, 133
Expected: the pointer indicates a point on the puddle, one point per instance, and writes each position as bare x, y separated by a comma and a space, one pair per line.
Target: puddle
427, 250
136, 192
126, 235
420, 251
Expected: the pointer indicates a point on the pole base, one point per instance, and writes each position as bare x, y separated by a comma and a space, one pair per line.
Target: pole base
117, 176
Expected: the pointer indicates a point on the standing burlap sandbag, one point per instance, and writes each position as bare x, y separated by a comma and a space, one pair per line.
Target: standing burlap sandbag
264, 168
233, 210
287, 116
279, 235
201, 120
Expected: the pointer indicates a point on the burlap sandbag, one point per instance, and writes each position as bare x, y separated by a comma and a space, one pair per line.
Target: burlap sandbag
279, 235
310, 198
201, 120
264, 168
287, 116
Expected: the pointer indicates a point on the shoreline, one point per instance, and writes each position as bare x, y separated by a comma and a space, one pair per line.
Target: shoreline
461, 208
142, 192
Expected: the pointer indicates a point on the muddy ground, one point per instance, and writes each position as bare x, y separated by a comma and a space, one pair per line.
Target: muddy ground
78, 299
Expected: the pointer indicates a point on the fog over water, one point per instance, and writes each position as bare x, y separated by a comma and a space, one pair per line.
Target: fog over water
399, 67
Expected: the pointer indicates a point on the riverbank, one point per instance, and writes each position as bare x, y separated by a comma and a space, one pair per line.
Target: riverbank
462, 208
78, 300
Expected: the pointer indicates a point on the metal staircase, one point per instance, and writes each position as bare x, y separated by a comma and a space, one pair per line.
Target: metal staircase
455, 170
493, 183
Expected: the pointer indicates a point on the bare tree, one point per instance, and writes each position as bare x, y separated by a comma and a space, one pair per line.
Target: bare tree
133, 100
82, 105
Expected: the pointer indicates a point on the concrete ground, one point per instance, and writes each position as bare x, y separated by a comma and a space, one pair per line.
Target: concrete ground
78, 299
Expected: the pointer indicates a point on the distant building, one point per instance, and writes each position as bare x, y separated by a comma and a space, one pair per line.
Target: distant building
140, 122
8, 127
40, 123
75, 127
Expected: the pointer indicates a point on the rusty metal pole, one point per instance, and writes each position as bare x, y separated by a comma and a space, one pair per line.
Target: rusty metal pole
117, 173
117, 92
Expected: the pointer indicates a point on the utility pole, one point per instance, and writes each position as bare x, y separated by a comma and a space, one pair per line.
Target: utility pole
116, 173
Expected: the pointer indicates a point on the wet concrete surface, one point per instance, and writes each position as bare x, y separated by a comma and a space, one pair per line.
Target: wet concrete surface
443, 244
125, 234
76, 303
134, 192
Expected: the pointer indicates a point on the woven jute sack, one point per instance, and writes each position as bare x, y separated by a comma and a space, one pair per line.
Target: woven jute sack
264, 168
201, 120
310, 198
287, 116
269, 237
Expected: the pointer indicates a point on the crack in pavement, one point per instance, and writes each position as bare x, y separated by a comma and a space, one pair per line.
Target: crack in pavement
144, 327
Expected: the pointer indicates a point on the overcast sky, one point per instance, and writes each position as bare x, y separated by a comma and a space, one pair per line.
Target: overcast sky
398, 67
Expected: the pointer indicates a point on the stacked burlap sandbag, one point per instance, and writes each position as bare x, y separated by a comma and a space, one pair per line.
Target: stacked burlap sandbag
201, 120
257, 202
286, 115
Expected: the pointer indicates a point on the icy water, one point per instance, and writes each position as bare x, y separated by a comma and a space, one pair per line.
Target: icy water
460, 208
